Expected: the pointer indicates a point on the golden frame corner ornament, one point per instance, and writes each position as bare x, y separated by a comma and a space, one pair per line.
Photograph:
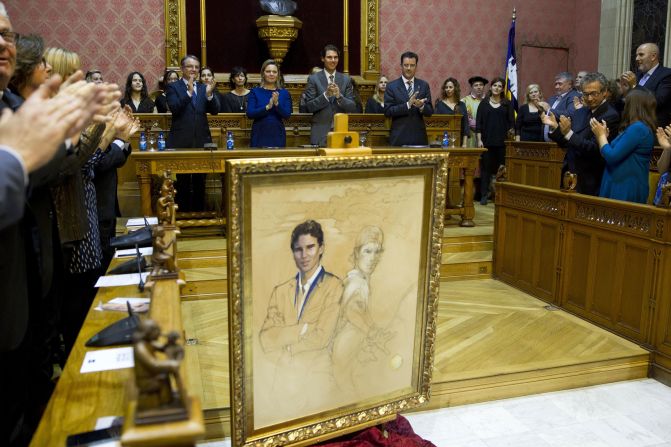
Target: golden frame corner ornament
281, 395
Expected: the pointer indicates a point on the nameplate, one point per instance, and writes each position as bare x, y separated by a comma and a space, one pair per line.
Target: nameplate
107, 360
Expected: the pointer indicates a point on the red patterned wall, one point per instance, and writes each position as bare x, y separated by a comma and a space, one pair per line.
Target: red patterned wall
452, 37
463, 38
116, 36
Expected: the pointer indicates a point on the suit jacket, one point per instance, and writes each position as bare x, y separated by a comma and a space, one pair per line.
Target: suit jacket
407, 124
189, 118
565, 106
659, 84
582, 151
105, 180
13, 280
12, 190
283, 327
323, 108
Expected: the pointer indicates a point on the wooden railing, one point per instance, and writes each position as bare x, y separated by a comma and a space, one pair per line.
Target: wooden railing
604, 260
540, 164
298, 127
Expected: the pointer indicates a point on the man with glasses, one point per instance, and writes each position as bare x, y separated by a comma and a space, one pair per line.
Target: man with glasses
575, 136
190, 102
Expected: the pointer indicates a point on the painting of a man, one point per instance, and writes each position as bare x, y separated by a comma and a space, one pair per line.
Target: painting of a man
299, 326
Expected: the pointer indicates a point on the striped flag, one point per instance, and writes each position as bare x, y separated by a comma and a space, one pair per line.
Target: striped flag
511, 67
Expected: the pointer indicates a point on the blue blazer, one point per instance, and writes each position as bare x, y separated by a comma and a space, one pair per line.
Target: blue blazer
659, 84
189, 120
565, 106
627, 164
407, 125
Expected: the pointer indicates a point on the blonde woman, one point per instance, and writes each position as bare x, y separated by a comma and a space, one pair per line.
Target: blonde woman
375, 103
268, 105
528, 126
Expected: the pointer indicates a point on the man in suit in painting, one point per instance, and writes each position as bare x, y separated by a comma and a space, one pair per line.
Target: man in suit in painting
328, 92
190, 102
300, 323
407, 101
303, 311
575, 136
652, 76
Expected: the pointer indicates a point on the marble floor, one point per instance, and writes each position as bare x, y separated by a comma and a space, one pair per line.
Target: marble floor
635, 413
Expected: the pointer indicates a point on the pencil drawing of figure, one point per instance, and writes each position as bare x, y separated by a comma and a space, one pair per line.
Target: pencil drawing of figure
301, 318
359, 339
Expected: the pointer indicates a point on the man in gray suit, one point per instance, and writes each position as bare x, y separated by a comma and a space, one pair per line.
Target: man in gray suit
328, 92
562, 102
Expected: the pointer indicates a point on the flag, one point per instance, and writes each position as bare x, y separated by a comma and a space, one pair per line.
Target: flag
510, 88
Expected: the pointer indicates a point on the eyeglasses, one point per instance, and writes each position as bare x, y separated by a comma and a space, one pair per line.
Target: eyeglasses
590, 94
8, 36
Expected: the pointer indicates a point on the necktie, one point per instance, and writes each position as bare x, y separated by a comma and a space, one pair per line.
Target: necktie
644, 79
331, 79
193, 95
409, 88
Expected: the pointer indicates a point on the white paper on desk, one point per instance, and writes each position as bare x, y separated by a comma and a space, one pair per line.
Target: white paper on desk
128, 279
119, 304
107, 359
130, 252
139, 221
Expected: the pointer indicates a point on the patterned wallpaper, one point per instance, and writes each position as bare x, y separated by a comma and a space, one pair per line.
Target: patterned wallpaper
464, 38
452, 37
116, 36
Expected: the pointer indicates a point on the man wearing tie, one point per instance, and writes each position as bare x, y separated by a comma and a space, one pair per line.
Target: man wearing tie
407, 101
190, 102
575, 136
328, 92
300, 323
653, 77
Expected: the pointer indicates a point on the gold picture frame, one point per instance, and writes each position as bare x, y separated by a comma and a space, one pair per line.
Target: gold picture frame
354, 348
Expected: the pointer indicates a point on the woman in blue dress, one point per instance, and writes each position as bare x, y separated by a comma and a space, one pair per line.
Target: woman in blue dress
268, 105
628, 156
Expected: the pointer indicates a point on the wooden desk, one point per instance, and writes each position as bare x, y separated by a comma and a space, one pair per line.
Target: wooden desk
207, 162
80, 399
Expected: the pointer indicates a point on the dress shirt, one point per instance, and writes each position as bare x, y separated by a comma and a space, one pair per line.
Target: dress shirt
305, 288
330, 79
647, 75
412, 84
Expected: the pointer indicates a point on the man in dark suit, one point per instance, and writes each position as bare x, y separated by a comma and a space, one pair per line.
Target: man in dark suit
327, 92
574, 134
407, 101
652, 76
562, 102
190, 102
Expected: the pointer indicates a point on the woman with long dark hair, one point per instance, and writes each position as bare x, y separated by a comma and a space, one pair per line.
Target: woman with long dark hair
450, 104
627, 157
494, 120
136, 96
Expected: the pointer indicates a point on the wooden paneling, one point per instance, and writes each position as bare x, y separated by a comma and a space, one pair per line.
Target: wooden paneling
534, 163
603, 260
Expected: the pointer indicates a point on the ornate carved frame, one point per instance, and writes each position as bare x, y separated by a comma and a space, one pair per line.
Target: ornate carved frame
246, 175
175, 35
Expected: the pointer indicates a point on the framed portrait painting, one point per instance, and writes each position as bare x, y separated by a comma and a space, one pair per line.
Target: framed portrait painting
333, 286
